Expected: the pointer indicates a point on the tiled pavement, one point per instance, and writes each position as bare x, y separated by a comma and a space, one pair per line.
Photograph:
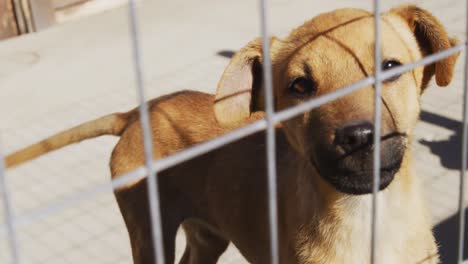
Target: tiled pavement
79, 71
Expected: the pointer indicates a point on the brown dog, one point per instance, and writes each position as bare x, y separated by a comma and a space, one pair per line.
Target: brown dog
324, 156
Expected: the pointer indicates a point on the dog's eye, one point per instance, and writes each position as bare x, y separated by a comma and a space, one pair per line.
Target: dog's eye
302, 87
390, 64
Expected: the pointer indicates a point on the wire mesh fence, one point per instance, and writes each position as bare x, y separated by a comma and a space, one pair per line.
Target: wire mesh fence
151, 167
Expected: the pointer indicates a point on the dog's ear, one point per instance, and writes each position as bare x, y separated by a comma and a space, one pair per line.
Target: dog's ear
240, 90
431, 37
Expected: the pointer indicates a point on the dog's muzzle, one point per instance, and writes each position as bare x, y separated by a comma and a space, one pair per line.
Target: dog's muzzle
347, 163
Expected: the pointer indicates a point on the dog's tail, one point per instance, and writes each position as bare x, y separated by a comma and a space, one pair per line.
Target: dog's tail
112, 124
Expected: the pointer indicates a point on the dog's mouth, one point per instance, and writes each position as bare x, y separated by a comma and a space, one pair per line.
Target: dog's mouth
362, 182
353, 173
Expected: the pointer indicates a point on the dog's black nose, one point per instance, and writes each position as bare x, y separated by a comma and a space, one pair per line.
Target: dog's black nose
354, 136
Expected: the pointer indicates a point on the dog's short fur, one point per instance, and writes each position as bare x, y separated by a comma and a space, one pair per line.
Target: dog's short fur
222, 196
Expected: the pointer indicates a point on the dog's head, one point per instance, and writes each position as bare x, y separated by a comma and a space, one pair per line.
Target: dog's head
325, 54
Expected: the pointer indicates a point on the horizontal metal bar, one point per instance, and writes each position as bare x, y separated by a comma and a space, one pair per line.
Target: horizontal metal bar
208, 146
294, 111
424, 61
205, 147
43, 212
306, 106
137, 174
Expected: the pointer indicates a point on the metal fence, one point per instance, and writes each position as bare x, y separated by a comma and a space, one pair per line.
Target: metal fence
152, 166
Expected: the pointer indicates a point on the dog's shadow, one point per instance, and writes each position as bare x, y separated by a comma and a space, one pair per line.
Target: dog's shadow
449, 153
448, 150
446, 234
226, 53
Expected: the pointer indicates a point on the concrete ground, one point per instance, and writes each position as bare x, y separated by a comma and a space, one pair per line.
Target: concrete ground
81, 70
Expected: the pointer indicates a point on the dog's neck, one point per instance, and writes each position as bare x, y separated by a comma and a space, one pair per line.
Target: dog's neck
339, 229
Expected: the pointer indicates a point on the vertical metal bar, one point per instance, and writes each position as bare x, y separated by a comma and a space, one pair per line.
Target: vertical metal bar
377, 114
461, 206
152, 183
11, 230
270, 136
461, 198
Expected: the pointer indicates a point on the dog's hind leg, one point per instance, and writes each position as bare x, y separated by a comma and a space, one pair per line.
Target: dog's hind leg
134, 205
203, 244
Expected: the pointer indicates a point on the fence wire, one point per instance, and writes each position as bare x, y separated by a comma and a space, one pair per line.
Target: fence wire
8, 211
152, 182
152, 166
377, 121
461, 199
270, 136
202, 148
